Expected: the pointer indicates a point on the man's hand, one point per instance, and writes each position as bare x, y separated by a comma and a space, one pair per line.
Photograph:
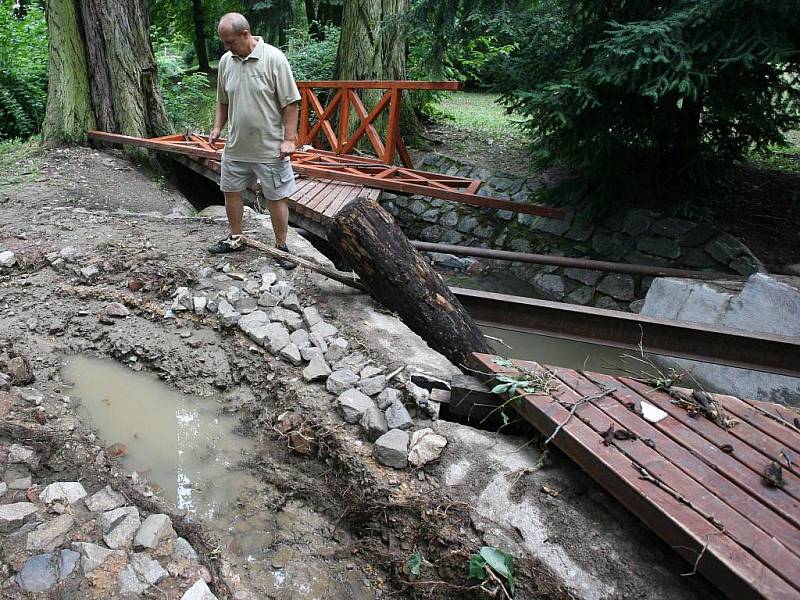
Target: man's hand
213, 136
287, 148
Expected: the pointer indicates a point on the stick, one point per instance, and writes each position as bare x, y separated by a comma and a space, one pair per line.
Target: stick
329, 273
574, 408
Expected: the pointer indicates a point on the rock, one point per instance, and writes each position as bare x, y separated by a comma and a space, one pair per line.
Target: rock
353, 404
618, 285
336, 350
119, 526
300, 338
182, 299
292, 302
326, 330
289, 318
636, 306
93, 555
372, 386
426, 446
21, 483
89, 273
7, 259
51, 534
42, 572
584, 276
607, 303
318, 341
227, 314
391, 449
746, 265
252, 287
245, 304
18, 453
233, 294
199, 591
69, 254
104, 500
20, 372
311, 316
291, 353
268, 299
724, 248
341, 381
117, 310
672, 227
199, 303
582, 295
154, 529
129, 582
13, 516
147, 568
370, 371
66, 492
3, 488
552, 286
317, 369
281, 289
310, 353
397, 416
373, 421
255, 319
276, 337
663, 247
267, 279
637, 221
387, 396
183, 549
355, 361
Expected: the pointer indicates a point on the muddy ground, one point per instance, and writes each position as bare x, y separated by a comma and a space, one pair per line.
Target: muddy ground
336, 523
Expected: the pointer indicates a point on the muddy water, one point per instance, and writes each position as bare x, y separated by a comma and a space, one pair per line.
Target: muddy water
190, 452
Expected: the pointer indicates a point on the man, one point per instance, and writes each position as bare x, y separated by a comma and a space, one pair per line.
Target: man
257, 97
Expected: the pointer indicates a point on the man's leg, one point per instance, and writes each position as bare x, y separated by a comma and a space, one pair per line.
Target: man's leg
234, 208
279, 215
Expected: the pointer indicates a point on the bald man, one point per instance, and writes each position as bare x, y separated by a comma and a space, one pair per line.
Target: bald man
257, 97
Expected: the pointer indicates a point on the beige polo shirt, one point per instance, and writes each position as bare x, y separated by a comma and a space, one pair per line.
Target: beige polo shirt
256, 90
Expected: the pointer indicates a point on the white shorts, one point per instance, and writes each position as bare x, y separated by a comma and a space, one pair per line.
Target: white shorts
277, 179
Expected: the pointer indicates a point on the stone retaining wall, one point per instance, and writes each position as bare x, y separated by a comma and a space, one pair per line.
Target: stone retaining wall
636, 236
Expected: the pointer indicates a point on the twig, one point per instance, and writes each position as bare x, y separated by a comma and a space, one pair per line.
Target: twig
391, 375
497, 339
574, 408
497, 580
700, 556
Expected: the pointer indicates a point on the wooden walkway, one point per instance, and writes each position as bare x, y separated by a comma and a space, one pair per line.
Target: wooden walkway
726, 499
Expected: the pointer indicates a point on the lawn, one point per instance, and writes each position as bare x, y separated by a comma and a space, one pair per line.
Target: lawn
479, 112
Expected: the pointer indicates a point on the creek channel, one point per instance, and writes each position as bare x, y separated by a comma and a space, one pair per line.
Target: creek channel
190, 453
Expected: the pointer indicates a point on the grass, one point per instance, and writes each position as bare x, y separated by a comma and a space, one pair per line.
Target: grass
479, 112
20, 161
782, 158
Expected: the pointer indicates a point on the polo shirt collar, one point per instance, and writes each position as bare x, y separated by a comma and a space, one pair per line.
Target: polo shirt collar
258, 51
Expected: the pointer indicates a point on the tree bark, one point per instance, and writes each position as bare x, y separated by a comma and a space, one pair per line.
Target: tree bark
373, 46
400, 279
69, 113
200, 36
118, 64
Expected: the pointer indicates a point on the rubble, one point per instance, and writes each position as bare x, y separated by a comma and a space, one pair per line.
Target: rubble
68, 492
154, 529
7, 259
426, 446
391, 449
354, 404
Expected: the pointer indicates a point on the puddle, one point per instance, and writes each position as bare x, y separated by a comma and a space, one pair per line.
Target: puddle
189, 452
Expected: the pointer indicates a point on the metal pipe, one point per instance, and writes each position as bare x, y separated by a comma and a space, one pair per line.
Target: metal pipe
577, 263
719, 345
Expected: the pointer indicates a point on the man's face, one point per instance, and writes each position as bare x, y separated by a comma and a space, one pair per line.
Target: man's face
238, 43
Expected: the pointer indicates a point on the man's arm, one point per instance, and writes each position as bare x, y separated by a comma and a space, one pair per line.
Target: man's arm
289, 143
219, 122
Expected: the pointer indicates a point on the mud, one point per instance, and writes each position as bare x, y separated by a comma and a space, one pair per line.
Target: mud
332, 525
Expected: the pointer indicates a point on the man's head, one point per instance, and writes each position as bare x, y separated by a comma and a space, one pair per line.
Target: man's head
234, 31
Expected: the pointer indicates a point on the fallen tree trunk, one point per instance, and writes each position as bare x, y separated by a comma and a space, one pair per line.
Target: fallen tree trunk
398, 277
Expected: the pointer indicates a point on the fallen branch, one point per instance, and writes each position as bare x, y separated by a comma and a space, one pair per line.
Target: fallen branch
574, 408
351, 281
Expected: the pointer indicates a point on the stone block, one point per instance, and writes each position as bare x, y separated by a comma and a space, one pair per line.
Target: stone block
147, 568
104, 500
291, 353
372, 386
340, 381
582, 295
387, 396
326, 330
373, 421
607, 303
153, 531
42, 572
637, 221
93, 556
664, 247
316, 370
199, 591
620, 286
426, 446
467, 224
311, 316
353, 404
397, 416
13, 516
724, 248
585, 276
119, 526
391, 449
51, 534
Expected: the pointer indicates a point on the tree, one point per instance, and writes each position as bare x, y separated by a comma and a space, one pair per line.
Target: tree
612, 88
102, 71
373, 45
200, 48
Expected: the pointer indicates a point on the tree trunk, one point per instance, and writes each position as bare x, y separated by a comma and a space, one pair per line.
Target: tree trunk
398, 277
69, 113
314, 29
373, 46
118, 64
200, 36
330, 13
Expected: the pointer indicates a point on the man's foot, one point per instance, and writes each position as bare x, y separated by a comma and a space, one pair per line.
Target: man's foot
232, 243
285, 264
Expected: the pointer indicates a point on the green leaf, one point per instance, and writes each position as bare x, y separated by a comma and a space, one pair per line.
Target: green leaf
501, 562
476, 567
500, 388
414, 563
503, 362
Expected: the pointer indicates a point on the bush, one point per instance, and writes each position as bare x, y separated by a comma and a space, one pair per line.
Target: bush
23, 71
312, 60
612, 88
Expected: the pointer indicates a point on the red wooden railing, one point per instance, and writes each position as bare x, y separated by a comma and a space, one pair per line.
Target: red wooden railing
344, 102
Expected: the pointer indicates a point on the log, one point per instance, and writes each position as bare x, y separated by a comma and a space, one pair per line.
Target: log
398, 277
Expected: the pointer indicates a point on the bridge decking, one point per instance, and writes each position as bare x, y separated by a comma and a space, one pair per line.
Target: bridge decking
701, 487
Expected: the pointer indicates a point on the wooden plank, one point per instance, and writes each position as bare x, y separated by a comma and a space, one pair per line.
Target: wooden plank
725, 563
366, 124
732, 508
302, 134
323, 197
403, 152
472, 188
342, 201
753, 457
392, 127
344, 119
332, 194
389, 84
323, 116
302, 203
771, 427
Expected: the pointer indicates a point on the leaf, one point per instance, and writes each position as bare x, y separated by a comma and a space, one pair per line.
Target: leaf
498, 560
503, 362
414, 563
500, 388
476, 567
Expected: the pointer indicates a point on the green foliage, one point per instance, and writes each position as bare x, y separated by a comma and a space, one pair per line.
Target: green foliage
612, 88
497, 562
23, 71
189, 98
20, 161
313, 59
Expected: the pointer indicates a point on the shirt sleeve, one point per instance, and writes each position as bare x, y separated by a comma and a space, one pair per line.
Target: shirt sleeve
222, 96
284, 83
